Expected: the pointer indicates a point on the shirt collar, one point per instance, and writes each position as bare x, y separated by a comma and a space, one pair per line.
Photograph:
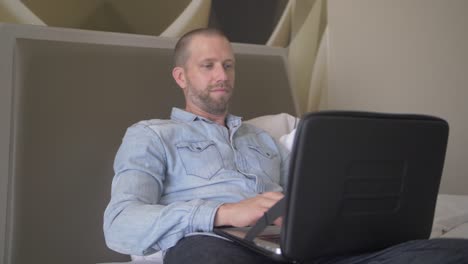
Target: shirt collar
184, 116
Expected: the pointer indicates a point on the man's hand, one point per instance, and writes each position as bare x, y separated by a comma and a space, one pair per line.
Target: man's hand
248, 211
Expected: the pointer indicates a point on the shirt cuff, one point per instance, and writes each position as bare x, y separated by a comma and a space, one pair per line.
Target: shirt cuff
204, 215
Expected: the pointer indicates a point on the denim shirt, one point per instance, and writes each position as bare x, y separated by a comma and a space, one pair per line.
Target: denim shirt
172, 175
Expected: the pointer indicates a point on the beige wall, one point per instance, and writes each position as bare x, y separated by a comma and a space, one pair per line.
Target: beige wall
404, 56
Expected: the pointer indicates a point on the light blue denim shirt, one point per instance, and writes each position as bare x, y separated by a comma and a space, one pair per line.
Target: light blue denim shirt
172, 175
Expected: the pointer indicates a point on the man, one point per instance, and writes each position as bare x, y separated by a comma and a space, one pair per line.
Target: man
177, 179
203, 168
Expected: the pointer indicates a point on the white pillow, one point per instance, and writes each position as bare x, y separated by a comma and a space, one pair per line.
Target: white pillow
288, 139
276, 125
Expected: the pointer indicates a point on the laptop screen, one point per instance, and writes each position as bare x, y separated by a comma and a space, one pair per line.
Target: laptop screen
361, 181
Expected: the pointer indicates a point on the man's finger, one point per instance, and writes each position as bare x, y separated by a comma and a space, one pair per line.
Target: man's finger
273, 195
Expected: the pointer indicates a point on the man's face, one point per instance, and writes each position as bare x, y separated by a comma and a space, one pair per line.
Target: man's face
209, 74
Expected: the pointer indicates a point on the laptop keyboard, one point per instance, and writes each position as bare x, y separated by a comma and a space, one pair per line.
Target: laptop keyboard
273, 238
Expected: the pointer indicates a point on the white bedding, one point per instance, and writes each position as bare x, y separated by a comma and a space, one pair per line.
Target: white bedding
460, 231
451, 216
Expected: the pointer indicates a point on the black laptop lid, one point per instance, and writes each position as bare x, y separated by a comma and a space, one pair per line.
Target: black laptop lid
361, 182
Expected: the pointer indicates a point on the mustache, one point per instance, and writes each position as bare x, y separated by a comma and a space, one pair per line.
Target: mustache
223, 85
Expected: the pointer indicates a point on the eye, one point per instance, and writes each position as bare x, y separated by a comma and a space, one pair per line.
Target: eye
207, 65
228, 66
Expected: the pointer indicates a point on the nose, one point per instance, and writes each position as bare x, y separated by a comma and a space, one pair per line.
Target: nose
221, 73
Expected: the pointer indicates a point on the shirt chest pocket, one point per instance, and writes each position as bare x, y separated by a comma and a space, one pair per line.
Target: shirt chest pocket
267, 160
201, 158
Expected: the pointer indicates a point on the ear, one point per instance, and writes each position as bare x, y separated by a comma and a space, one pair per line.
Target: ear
178, 73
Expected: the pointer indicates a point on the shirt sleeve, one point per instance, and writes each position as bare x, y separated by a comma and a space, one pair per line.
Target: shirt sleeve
134, 221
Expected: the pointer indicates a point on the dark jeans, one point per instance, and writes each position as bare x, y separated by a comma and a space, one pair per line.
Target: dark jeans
211, 250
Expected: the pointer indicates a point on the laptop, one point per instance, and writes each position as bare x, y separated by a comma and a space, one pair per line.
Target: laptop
358, 182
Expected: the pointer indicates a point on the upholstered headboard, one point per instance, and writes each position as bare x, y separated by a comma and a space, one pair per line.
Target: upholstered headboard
66, 98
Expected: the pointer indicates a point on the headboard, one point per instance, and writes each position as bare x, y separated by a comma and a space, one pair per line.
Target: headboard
66, 99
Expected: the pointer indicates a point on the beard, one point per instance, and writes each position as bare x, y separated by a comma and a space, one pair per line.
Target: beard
203, 99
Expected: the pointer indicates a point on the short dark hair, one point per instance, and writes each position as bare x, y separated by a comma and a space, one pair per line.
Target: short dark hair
181, 52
